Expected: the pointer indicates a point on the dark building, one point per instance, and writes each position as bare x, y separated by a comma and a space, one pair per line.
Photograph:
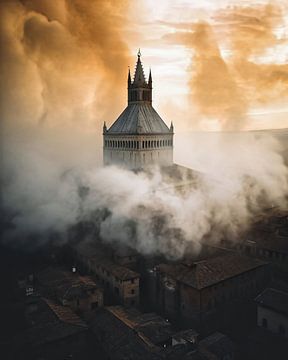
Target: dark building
80, 293
268, 340
272, 311
194, 292
52, 332
121, 284
124, 335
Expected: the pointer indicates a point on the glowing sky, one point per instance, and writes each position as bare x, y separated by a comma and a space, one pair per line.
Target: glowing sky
158, 26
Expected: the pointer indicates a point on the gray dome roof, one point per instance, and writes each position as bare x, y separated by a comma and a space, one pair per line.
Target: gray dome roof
139, 119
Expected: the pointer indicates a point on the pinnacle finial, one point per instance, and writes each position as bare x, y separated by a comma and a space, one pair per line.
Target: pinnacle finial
139, 53
104, 127
129, 76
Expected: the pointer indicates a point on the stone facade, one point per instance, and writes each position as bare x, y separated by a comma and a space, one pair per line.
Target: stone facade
194, 293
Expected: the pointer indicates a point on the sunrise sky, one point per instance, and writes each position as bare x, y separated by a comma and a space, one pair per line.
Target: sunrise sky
216, 64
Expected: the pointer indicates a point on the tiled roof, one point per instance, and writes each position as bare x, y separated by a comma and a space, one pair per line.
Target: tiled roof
48, 322
64, 283
64, 313
97, 256
139, 119
211, 271
119, 340
120, 272
150, 326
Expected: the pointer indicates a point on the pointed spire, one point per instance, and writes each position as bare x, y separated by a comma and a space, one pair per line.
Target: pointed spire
139, 76
129, 77
150, 79
172, 127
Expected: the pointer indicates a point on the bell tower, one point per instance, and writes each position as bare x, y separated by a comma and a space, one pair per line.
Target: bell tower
139, 138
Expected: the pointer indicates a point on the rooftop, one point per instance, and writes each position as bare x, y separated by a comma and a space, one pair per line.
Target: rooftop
139, 119
211, 271
274, 299
120, 340
64, 283
48, 322
99, 259
187, 335
218, 344
149, 326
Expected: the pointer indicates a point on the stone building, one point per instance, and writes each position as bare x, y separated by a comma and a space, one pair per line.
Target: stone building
121, 284
195, 292
139, 137
80, 293
272, 311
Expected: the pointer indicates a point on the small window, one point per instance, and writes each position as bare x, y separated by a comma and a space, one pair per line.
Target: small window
132, 281
132, 291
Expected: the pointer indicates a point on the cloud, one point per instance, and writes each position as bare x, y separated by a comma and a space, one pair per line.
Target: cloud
69, 54
225, 87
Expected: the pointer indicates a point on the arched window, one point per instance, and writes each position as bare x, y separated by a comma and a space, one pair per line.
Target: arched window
157, 143
149, 145
143, 144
